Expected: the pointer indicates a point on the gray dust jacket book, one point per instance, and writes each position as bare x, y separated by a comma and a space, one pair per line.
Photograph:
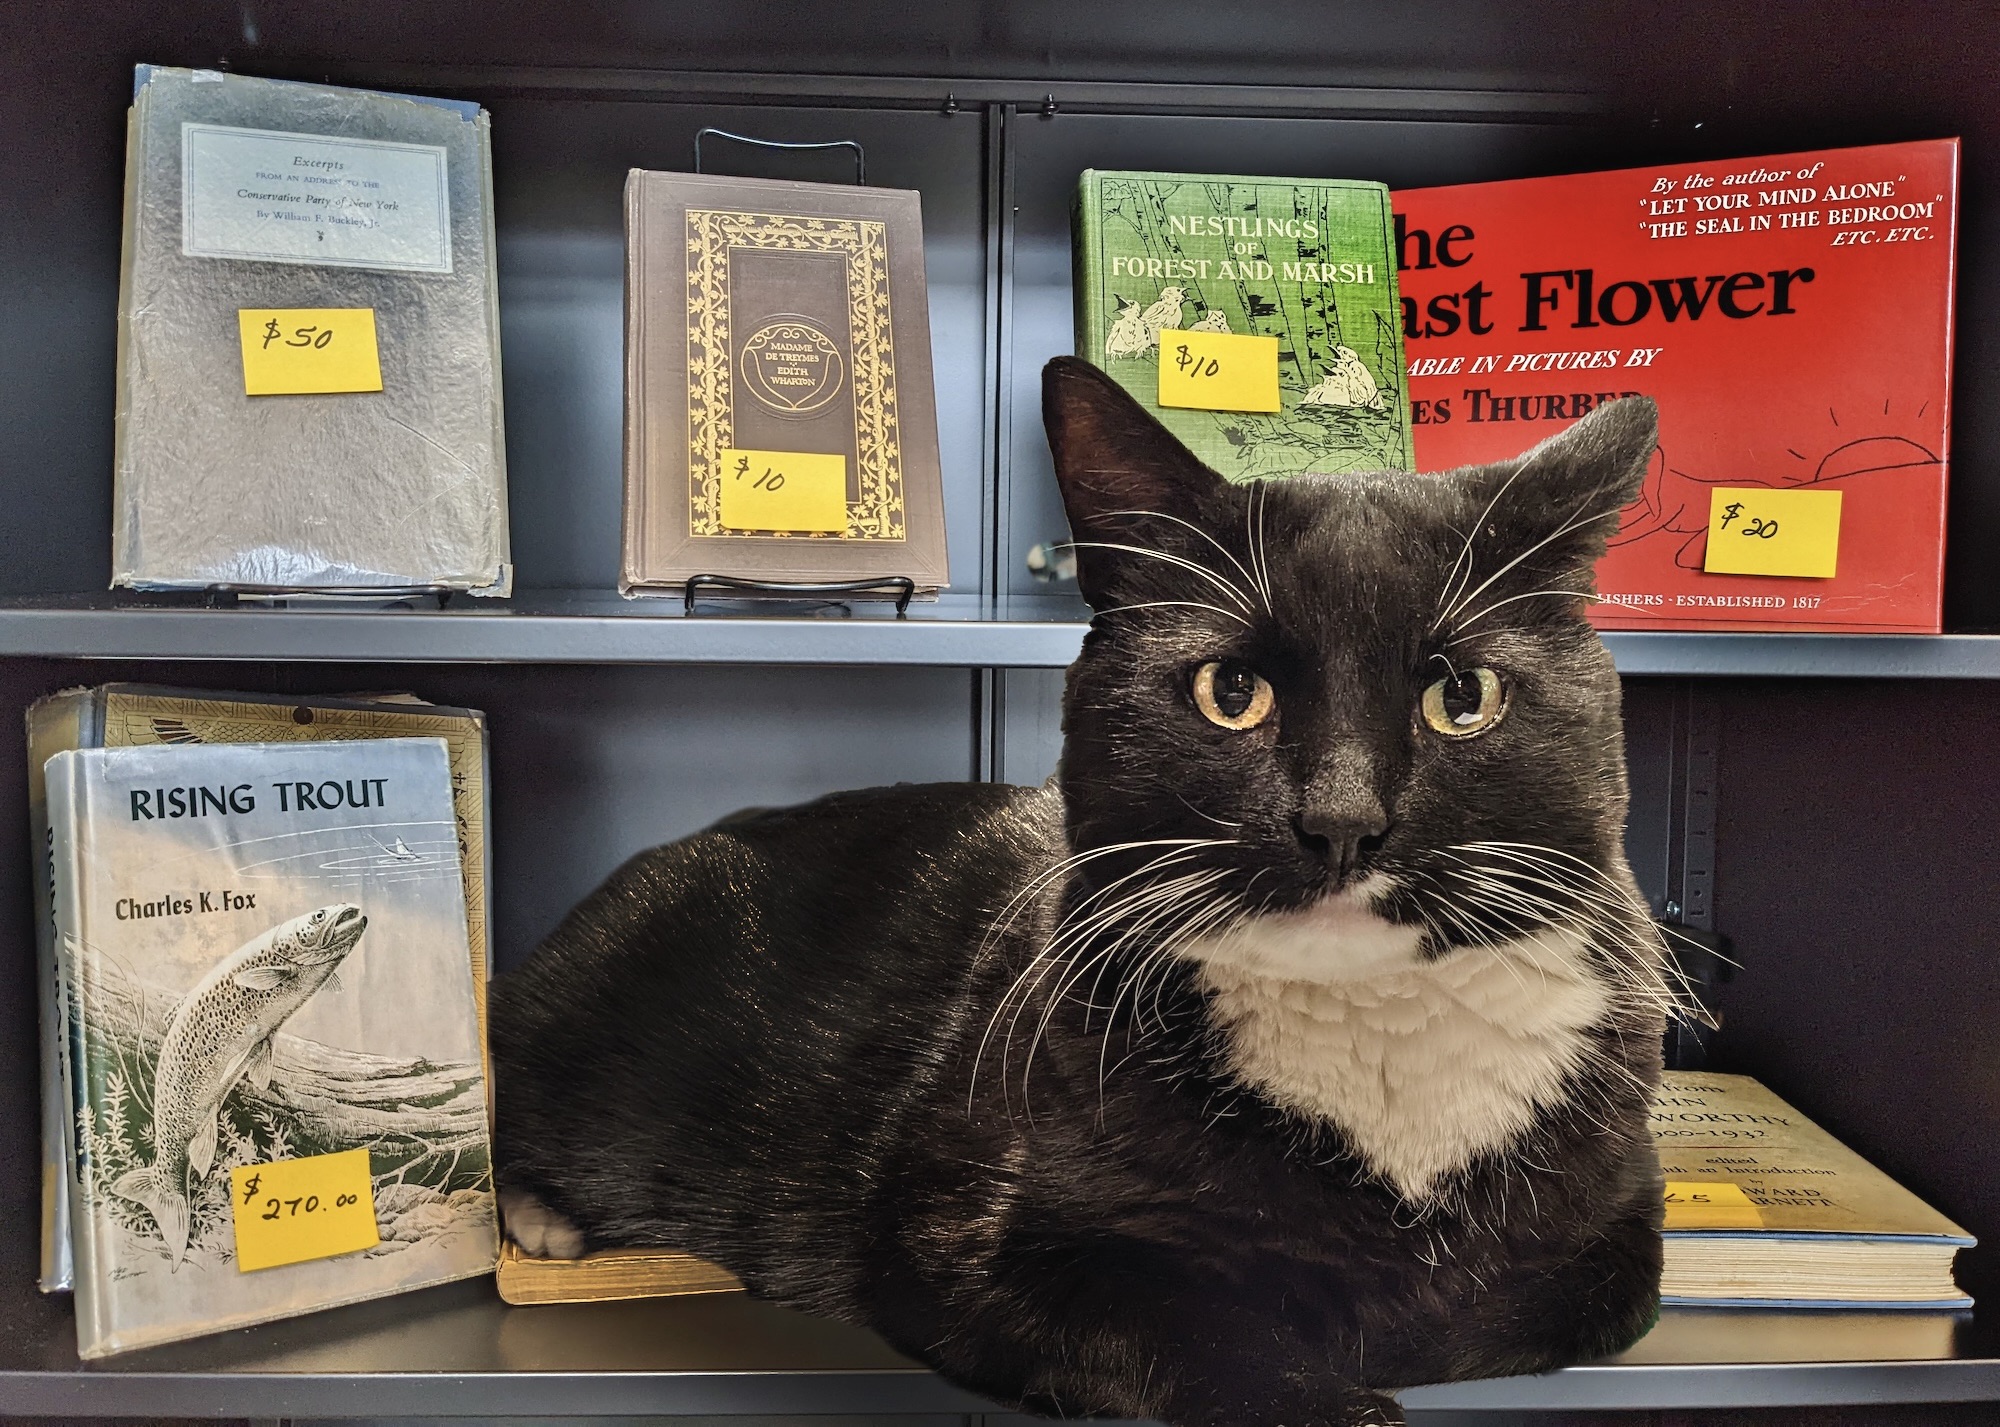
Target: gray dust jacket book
765, 321
263, 958
248, 195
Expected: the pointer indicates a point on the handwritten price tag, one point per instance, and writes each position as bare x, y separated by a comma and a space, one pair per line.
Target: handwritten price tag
1694, 1205
800, 491
295, 351
1773, 532
293, 1210
1218, 371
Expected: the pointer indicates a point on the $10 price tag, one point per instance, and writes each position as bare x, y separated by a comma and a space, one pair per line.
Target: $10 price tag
297, 351
802, 492
1758, 531
1218, 371
293, 1210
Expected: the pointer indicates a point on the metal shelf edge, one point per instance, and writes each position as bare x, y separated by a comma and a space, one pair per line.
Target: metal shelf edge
114, 1393
528, 637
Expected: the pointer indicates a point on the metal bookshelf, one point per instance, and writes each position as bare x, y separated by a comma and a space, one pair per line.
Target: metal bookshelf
1023, 633
1831, 817
458, 1351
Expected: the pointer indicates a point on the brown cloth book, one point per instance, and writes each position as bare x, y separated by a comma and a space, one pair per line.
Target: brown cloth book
780, 422
609, 1273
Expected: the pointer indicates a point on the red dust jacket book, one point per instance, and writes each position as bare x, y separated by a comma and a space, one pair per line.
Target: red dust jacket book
1791, 315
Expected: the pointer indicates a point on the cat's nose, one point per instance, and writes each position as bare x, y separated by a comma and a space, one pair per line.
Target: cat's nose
1342, 838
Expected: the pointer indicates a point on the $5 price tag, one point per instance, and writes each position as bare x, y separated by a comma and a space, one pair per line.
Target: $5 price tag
296, 351
1759, 531
293, 1210
1218, 371
1692, 1204
798, 492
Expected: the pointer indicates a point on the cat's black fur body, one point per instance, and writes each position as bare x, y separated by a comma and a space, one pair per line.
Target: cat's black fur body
811, 1044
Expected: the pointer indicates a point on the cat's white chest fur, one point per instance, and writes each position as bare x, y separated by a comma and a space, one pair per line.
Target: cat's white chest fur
1423, 1065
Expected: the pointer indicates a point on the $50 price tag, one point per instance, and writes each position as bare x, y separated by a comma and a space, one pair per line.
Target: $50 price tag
293, 1210
803, 492
1218, 371
295, 351
1759, 531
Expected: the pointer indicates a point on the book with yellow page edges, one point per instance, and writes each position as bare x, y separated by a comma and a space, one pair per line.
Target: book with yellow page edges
1767, 1210
607, 1274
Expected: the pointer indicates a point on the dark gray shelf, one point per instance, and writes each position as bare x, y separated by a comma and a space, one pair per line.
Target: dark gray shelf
564, 627
458, 1351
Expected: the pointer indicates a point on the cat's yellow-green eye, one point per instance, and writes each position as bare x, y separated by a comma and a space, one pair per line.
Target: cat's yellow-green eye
1464, 703
1230, 694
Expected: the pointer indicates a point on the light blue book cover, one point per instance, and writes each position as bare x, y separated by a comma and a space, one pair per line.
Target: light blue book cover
263, 955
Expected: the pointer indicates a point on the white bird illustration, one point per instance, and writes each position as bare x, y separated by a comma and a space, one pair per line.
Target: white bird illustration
1128, 337
1213, 320
1166, 313
1346, 383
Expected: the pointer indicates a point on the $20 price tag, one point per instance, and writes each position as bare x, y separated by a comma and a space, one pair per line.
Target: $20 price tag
297, 351
803, 492
293, 1210
1218, 371
1760, 531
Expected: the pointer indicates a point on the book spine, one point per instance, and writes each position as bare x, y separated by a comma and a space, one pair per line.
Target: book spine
65, 798
632, 542
503, 578
55, 725
1085, 280
121, 495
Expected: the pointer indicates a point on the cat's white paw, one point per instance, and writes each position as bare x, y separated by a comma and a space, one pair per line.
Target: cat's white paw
539, 1230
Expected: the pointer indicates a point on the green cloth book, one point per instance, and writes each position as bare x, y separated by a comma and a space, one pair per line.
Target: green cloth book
1311, 262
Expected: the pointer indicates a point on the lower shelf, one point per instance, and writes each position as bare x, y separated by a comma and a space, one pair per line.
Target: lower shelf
458, 1351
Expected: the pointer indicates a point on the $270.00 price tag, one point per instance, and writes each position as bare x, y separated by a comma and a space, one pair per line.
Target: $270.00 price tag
796, 491
1218, 371
299, 351
293, 1210
1760, 531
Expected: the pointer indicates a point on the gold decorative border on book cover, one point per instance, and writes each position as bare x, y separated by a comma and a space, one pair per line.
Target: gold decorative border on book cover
877, 512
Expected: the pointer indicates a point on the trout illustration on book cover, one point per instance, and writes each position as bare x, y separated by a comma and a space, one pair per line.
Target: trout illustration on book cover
263, 957
1310, 262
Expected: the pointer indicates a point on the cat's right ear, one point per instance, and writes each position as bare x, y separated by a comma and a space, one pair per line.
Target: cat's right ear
1116, 465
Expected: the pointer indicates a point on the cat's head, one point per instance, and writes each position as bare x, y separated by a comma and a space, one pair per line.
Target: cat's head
1363, 716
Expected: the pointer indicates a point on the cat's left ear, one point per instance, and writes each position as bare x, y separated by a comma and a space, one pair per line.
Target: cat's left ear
1117, 464
1555, 507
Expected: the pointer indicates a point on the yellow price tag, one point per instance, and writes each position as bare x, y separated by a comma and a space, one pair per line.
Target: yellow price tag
294, 351
799, 491
293, 1210
1692, 1204
1218, 371
1755, 531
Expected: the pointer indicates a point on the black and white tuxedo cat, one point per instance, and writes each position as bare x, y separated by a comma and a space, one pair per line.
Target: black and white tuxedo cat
1292, 1046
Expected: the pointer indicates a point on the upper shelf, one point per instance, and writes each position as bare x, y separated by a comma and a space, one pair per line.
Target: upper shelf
564, 627
458, 1351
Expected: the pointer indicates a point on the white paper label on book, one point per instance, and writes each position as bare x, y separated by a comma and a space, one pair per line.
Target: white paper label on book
264, 196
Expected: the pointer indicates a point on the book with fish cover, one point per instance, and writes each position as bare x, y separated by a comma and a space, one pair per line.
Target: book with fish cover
264, 968
1311, 262
1792, 316
1767, 1210
308, 342
139, 715
780, 421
